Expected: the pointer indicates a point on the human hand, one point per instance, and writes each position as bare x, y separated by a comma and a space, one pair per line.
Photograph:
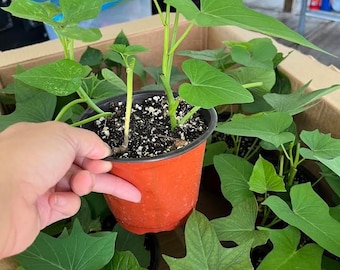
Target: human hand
44, 168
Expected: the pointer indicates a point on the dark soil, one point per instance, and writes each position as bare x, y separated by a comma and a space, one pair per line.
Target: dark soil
150, 130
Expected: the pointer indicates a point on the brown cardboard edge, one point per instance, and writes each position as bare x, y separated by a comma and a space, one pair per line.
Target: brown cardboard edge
299, 67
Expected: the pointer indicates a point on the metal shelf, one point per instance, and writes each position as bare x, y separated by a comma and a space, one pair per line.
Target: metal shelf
321, 14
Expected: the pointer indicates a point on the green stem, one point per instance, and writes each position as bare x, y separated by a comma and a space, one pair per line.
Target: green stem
317, 181
81, 92
180, 40
281, 164
67, 107
251, 85
189, 115
275, 221
266, 212
129, 98
252, 149
90, 119
159, 10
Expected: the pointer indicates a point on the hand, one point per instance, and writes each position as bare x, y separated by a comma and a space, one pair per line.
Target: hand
44, 168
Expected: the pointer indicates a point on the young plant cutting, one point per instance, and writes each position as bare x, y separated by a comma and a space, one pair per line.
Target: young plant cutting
158, 137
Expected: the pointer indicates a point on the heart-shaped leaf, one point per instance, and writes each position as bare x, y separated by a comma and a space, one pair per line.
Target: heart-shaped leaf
298, 101
206, 55
264, 178
332, 178
32, 105
239, 226
269, 126
60, 78
310, 214
123, 260
249, 75
210, 87
204, 249
322, 145
234, 173
234, 12
258, 52
32, 10
78, 251
73, 13
286, 255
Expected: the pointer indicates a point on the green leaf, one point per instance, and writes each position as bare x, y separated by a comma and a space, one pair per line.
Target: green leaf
117, 58
32, 105
240, 226
264, 178
114, 80
128, 49
91, 57
123, 260
205, 55
127, 241
298, 101
286, 255
84, 215
268, 126
323, 148
258, 52
213, 149
79, 33
60, 78
249, 75
332, 179
78, 251
204, 249
234, 12
335, 212
121, 38
310, 214
31, 10
75, 12
234, 173
321, 145
210, 87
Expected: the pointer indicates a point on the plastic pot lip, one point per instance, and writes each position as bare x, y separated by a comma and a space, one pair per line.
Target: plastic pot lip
209, 116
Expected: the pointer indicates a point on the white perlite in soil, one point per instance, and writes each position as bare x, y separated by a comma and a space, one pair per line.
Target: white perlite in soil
150, 131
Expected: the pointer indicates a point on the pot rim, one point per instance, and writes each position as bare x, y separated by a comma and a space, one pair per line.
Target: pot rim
209, 115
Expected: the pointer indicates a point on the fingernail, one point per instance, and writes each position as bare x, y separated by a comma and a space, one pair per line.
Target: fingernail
109, 150
59, 201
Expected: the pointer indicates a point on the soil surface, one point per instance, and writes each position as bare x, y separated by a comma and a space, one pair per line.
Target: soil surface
150, 130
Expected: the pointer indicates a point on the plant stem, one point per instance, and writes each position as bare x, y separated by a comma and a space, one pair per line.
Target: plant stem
90, 119
189, 115
252, 149
275, 221
317, 181
251, 85
129, 98
67, 107
81, 92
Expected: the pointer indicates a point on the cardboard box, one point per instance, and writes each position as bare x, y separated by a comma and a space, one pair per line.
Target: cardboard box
148, 32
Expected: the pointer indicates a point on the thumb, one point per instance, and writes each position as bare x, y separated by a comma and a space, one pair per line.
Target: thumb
62, 205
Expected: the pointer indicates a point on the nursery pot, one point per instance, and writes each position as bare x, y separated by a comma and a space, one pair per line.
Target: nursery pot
169, 183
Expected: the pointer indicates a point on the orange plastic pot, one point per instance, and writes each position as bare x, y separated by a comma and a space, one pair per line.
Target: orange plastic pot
169, 183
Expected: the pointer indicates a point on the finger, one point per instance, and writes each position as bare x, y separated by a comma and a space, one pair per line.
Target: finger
95, 166
63, 205
82, 182
113, 185
86, 143
55, 206
65, 183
